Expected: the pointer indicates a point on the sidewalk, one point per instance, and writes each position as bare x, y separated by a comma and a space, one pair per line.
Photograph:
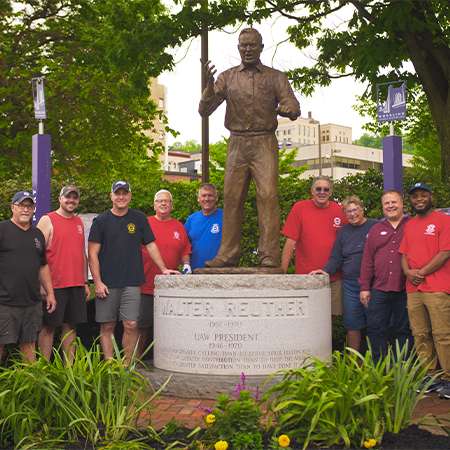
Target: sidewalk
185, 411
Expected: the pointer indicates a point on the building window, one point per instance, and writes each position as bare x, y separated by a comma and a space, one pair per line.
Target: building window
161, 135
289, 131
278, 133
323, 138
314, 132
299, 129
307, 131
303, 130
289, 139
284, 132
339, 138
328, 137
308, 141
335, 138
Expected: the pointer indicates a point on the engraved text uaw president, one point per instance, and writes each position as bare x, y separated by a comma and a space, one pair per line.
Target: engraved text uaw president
255, 94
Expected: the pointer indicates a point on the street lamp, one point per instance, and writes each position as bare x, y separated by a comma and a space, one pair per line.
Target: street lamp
316, 122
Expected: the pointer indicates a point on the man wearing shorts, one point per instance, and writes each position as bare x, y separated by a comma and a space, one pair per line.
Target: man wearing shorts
173, 243
66, 256
23, 268
115, 259
311, 229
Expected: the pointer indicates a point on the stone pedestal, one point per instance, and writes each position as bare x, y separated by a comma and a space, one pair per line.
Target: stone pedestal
229, 324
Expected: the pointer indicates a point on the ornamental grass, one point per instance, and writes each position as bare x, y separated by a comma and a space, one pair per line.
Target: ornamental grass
348, 400
48, 404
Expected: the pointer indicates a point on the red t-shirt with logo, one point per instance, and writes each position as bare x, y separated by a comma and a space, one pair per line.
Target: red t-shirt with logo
423, 239
172, 242
315, 230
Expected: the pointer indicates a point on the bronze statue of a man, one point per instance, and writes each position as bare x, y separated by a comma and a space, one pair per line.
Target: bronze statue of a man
255, 94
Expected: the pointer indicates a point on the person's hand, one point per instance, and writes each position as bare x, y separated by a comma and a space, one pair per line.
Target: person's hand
51, 303
87, 292
318, 271
186, 269
209, 70
364, 297
414, 277
171, 272
101, 291
285, 111
43, 294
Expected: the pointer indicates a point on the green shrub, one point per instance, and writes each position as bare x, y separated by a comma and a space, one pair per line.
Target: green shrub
348, 400
92, 399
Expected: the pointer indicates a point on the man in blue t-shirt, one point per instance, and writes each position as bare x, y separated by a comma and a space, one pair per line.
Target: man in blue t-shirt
204, 228
115, 260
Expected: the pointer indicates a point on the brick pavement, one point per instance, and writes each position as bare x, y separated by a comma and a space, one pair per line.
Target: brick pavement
185, 411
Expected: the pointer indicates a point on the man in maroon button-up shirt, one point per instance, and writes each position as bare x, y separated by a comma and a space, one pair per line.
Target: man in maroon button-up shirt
382, 281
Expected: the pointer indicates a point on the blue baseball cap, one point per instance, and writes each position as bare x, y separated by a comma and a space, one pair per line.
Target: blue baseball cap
120, 184
420, 186
21, 196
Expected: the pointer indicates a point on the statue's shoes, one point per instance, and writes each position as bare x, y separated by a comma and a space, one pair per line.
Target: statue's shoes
218, 263
268, 261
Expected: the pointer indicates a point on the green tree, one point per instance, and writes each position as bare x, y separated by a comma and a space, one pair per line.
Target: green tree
191, 145
367, 140
97, 58
373, 46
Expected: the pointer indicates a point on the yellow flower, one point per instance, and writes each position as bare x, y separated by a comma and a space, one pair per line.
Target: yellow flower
210, 418
370, 443
221, 445
284, 441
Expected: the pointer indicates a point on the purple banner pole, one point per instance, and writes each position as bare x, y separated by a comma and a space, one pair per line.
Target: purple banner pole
41, 169
392, 163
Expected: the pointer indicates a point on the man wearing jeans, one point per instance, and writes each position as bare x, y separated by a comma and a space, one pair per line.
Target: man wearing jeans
425, 253
382, 281
115, 259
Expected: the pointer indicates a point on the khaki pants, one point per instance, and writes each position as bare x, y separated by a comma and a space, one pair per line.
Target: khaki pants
429, 317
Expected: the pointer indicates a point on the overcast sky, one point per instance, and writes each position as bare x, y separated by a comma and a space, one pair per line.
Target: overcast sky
328, 105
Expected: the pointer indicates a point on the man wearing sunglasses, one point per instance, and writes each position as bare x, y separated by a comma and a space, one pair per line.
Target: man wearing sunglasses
311, 229
23, 268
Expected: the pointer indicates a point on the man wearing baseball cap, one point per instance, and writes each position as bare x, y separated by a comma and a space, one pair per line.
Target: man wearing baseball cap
24, 268
66, 255
115, 259
425, 250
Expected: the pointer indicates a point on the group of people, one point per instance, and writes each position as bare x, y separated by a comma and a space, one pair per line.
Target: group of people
394, 271
44, 281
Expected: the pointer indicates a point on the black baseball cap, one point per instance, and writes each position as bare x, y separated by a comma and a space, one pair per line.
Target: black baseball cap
420, 186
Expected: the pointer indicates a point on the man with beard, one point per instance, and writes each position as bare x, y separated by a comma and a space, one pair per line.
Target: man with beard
425, 250
23, 268
66, 255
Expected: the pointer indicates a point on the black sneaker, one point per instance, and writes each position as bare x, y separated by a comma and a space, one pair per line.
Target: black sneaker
435, 385
445, 391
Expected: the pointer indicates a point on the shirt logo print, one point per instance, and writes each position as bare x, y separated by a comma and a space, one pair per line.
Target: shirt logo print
215, 228
38, 243
131, 228
176, 235
337, 222
430, 229
80, 229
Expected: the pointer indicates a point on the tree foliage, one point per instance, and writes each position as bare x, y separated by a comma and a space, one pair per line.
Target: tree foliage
97, 57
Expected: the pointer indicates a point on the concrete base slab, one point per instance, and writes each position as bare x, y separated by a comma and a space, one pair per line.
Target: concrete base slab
197, 386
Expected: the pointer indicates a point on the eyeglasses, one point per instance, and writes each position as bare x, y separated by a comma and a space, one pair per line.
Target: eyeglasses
349, 212
320, 189
163, 201
21, 206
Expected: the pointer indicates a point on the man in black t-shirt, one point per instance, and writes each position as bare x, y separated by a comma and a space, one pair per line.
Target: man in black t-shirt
23, 268
115, 260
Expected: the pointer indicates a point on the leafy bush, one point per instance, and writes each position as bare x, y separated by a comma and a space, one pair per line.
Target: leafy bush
347, 401
92, 399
